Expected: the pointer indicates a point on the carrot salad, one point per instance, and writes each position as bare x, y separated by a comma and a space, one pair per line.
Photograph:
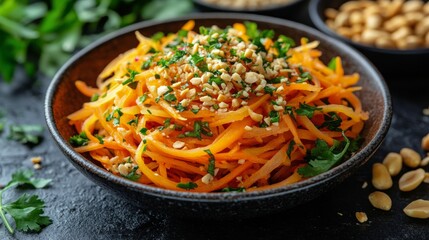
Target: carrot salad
219, 110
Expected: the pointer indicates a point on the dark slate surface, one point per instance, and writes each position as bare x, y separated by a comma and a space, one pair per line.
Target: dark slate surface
82, 210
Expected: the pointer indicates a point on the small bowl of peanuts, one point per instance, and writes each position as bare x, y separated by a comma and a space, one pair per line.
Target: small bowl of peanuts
279, 8
394, 34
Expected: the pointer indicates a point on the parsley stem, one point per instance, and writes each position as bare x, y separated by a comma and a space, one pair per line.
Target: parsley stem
3, 217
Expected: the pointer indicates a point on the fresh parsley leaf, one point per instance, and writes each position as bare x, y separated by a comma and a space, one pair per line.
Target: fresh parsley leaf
306, 110
212, 162
231, 189
146, 64
26, 134
233, 52
133, 122
187, 186
322, 157
79, 140
27, 212
143, 98
198, 61
216, 80
25, 178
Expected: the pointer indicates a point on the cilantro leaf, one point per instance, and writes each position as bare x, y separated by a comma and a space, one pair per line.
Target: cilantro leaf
332, 122
251, 29
323, 158
116, 116
187, 186
290, 148
25, 178
27, 212
79, 140
26, 134
306, 110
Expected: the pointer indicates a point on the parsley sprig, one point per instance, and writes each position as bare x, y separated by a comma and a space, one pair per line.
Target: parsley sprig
322, 157
27, 211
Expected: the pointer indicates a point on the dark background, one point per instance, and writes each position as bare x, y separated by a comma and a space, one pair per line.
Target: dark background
82, 210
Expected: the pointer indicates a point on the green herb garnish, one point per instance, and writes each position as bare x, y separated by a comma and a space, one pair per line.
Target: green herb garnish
212, 162
26, 134
79, 140
187, 186
306, 110
27, 211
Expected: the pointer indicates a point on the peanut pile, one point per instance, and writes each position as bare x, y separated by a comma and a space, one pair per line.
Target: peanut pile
394, 24
392, 165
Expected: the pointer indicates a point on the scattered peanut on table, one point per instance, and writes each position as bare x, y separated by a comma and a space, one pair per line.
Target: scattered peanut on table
361, 217
396, 24
381, 178
380, 200
392, 166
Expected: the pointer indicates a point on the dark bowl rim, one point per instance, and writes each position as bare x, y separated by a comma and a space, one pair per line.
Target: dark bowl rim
92, 168
274, 7
318, 21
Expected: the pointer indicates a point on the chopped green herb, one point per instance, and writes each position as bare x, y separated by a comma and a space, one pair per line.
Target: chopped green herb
269, 90
79, 140
322, 157
216, 80
100, 139
133, 176
131, 75
177, 56
187, 186
182, 33
231, 189
198, 61
332, 122
143, 131
157, 36
215, 106
179, 107
163, 63
251, 29
275, 80
26, 134
143, 98
27, 210
212, 162
170, 97
233, 52
167, 123
274, 116
283, 44
333, 64
306, 110
204, 31
199, 128
146, 64
290, 148
95, 97
157, 76
195, 110
116, 116
133, 122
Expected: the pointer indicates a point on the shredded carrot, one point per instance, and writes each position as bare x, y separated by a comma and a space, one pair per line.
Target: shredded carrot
207, 112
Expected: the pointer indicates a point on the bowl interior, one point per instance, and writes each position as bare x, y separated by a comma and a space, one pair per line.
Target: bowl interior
63, 98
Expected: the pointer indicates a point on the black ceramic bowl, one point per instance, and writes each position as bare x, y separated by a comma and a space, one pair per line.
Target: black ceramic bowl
279, 10
63, 98
389, 61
